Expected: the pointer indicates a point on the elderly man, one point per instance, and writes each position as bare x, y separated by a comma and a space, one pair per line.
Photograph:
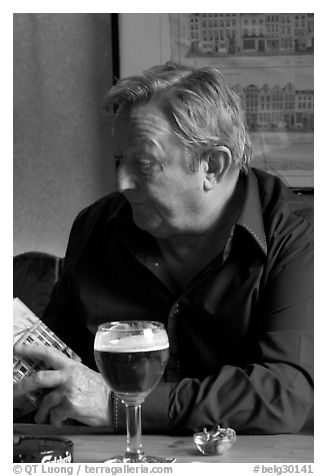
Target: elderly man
197, 239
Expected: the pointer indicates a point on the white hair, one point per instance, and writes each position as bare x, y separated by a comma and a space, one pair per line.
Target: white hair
203, 111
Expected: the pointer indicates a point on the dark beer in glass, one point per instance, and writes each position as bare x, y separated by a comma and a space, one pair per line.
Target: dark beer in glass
132, 356
133, 373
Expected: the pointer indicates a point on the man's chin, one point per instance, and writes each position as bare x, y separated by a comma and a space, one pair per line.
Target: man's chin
143, 220
151, 226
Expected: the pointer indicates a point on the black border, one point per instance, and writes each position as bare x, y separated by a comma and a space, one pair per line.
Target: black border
303, 190
115, 47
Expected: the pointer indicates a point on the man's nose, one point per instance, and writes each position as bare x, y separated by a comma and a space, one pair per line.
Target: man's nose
125, 180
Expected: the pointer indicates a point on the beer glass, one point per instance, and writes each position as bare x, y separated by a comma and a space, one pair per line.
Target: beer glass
132, 356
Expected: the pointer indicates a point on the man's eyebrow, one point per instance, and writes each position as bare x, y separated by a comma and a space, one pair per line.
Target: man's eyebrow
148, 146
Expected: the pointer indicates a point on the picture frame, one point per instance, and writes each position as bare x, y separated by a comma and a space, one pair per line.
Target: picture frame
282, 146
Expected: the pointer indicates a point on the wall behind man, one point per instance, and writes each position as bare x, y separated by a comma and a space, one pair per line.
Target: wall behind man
62, 147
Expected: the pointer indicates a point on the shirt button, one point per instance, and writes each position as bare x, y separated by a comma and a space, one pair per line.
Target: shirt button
177, 310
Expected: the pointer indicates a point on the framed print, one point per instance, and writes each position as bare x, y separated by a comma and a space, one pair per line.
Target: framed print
267, 60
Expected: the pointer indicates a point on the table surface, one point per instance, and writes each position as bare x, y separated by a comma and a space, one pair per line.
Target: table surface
94, 445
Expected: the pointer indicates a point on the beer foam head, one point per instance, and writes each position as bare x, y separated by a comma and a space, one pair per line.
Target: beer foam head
148, 342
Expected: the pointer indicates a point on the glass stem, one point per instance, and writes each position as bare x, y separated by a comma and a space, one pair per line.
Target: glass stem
134, 432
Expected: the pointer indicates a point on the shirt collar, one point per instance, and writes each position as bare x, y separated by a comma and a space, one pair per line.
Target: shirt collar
251, 214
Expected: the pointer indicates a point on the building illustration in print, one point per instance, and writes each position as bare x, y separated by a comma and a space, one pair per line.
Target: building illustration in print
277, 108
219, 34
268, 60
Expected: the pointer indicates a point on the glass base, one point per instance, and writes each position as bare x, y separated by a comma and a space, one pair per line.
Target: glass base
139, 459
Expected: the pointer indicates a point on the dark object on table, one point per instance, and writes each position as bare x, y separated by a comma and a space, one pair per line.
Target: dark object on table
39, 449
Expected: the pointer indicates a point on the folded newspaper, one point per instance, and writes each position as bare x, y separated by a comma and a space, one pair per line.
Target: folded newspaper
29, 329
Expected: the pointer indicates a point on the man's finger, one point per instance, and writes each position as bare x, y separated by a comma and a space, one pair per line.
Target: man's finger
52, 357
49, 401
28, 385
76, 358
58, 415
49, 378
40, 379
21, 388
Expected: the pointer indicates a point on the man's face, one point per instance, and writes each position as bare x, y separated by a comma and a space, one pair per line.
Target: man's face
153, 172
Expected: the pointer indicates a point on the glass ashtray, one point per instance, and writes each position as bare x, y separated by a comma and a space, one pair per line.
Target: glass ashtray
215, 442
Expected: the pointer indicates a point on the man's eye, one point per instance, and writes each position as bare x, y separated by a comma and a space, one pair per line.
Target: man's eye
145, 166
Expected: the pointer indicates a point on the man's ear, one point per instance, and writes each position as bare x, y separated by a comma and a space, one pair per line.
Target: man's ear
216, 164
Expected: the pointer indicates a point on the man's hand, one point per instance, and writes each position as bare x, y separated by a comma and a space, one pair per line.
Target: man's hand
75, 390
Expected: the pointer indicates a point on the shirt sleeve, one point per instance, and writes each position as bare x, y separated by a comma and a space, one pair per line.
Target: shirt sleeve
61, 314
273, 391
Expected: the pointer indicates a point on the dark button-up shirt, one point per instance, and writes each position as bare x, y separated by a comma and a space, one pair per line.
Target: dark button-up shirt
241, 332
